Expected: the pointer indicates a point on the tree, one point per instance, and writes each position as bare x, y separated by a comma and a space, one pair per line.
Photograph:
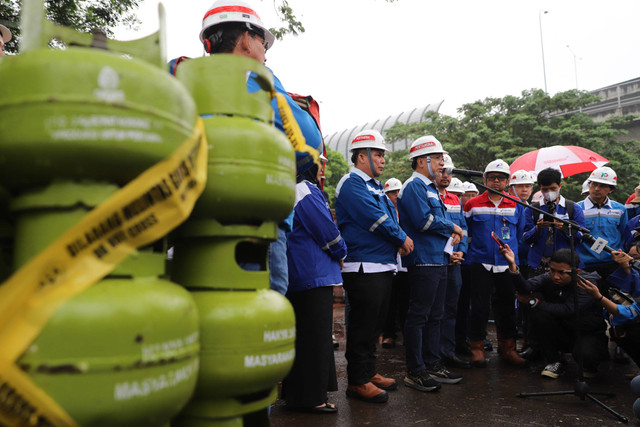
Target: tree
508, 127
83, 15
336, 168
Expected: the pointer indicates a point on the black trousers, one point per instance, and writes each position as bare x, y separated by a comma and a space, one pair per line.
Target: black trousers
463, 307
314, 370
494, 290
368, 295
555, 335
398, 305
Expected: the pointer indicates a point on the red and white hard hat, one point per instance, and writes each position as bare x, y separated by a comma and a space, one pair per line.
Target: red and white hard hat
521, 177
498, 165
425, 145
392, 184
224, 11
604, 175
369, 138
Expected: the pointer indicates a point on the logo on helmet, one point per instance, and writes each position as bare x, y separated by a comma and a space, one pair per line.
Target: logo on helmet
423, 145
364, 138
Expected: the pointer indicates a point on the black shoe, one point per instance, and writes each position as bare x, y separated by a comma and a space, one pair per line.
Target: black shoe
456, 361
553, 370
422, 381
530, 354
442, 375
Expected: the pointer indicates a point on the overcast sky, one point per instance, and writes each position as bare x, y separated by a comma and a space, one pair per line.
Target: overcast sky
368, 59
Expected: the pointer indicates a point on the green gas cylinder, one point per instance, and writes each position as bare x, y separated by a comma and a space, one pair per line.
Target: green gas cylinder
247, 346
251, 173
124, 352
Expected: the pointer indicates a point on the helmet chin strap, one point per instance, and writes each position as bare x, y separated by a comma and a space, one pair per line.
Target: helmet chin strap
431, 170
373, 171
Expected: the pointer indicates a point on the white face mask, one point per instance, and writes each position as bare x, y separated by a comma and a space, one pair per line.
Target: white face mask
550, 196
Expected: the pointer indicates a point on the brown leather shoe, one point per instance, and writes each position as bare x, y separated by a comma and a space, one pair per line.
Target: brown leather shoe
384, 383
388, 343
478, 360
508, 353
368, 393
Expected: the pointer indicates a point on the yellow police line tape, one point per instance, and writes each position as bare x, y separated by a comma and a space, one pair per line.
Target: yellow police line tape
30, 297
292, 129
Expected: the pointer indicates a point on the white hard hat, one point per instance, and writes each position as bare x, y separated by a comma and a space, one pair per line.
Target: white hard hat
455, 186
224, 11
369, 138
425, 145
448, 163
585, 188
521, 177
5, 34
469, 186
498, 166
604, 175
392, 184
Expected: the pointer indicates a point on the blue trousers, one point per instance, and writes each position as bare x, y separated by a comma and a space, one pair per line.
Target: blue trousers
448, 324
427, 288
278, 267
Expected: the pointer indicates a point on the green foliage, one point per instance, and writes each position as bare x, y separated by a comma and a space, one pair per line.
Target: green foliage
286, 15
336, 168
511, 126
83, 15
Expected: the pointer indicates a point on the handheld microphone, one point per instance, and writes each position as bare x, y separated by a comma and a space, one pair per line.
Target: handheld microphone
588, 238
466, 172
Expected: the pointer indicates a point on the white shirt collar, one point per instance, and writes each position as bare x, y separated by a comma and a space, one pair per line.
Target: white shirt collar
363, 175
422, 177
588, 204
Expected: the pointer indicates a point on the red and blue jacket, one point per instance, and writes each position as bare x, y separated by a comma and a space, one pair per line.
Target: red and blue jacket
483, 217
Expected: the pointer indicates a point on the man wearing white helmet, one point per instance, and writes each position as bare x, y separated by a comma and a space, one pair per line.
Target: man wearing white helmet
234, 27
423, 216
368, 223
453, 208
605, 218
470, 191
493, 287
521, 185
456, 187
633, 203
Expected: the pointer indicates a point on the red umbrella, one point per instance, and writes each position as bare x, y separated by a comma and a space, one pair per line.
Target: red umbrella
569, 159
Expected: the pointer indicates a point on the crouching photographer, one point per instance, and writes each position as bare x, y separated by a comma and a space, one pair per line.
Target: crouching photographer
550, 300
621, 305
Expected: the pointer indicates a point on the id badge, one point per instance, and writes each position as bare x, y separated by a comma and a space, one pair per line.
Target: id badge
505, 232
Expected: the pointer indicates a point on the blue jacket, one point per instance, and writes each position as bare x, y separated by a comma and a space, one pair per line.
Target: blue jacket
423, 217
629, 283
629, 234
453, 207
314, 246
538, 239
367, 220
483, 217
609, 223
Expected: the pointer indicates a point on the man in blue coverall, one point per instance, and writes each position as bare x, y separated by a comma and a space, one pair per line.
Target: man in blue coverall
605, 218
423, 216
367, 221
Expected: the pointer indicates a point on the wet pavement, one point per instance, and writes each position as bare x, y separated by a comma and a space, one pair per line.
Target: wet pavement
484, 397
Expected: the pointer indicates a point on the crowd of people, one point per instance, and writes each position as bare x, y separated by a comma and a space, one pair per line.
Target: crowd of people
432, 259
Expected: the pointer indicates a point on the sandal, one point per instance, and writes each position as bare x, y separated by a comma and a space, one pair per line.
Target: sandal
325, 408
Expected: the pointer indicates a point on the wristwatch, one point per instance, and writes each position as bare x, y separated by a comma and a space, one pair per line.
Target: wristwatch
533, 302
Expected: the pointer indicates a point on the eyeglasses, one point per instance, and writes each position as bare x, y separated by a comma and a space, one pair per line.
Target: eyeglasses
261, 39
496, 177
553, 271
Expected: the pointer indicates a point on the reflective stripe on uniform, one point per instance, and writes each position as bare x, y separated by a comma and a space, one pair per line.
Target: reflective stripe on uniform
375, 225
